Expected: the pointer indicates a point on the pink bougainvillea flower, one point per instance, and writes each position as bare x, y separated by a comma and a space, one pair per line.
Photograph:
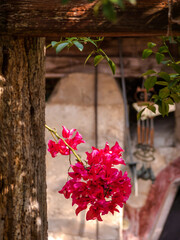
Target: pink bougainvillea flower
53, 148
98, 186
67, 133
60, 147
110, 156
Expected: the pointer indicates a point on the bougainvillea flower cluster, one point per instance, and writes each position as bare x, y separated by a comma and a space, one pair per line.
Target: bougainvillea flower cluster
95, 184
60, 146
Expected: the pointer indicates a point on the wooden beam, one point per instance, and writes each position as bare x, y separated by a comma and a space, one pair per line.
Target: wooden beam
51, 18
57, 67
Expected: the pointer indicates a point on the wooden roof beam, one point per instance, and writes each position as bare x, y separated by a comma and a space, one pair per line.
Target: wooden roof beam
51, 18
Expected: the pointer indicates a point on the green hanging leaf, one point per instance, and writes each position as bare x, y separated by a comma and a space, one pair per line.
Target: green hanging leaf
87, 39
53, 43
71, 39
155, 96
164, 75
152, 108
119, 2
88, 57
149, 72
146, 53
166, 62
61, 46
163, 108
109, 11
98, 59
151, 44
78, 45
176, 67
173, 83
112, 66
159, 57
140, 114
162, 83
164, 92
163, 49
175, 97
173, 75
169, 101
150, 82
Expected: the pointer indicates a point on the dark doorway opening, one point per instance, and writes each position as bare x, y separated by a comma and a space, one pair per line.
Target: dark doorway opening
171, 230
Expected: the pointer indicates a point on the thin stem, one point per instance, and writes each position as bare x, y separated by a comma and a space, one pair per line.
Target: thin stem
55, 133
53, 136
169, 52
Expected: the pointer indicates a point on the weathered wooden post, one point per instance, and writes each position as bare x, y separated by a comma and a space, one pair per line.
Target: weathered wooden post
23, 213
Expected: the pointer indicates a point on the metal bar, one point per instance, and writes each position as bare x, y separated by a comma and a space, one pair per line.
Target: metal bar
143, 132
152, 133
139, 131
147, 131
96, 126
96, 105
125, 102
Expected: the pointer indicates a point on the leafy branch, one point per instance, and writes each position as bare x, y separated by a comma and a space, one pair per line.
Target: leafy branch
170, 82
79, 42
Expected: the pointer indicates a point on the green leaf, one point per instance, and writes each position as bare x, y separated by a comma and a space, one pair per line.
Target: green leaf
164, 76
172, 83
155, 96
173, 75
175, 97
163, 49
152, 108
87, 39
159, 57
149, 72
88, 57
112, 66
140, 113
163, 108
71, 39
166, 62
164, 92
151, 44
119, 2
146, 53
169, 101
78, 45
176, 67
150, 82
109, 11
98, 59
61, 46
162, 83
53, 43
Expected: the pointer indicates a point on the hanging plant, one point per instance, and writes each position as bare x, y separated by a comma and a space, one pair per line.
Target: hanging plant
169, 94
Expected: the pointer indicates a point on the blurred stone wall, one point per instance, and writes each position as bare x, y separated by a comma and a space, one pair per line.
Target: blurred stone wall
72, 105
